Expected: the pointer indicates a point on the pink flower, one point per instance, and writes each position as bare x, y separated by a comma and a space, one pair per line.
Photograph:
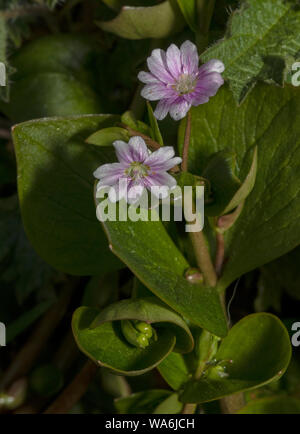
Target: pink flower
177, 82
138, 167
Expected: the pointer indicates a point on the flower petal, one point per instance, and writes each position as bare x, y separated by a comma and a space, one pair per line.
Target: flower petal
161, 179
209, 84
113, 169
138, 149
212, 65
162, 109
179, 109
157, 64
160, 155
189, 58
167, 165
146, 77
174, 61
123, 152
153, 92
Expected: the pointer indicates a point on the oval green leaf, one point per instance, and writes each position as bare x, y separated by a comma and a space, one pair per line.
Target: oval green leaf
158, 21
99, 335
256, 351
55, 183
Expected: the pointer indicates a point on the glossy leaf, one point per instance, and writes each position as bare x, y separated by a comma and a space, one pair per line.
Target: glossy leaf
257, 45
161, 267
171, 405
268, 225
100, 337
55, 182
158, 21
106, 136
256, 351
174, 370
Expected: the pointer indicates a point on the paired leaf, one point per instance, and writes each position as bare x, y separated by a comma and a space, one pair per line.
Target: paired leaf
158, 21
55, 182
256, 351
100, 337
268, 225
149, 252
257, 45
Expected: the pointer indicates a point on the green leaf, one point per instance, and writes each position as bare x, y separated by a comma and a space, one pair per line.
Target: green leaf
189, 11
107, 136
55, 183
100, 336
158, 21
161, 267
174, 370
273, 405
220, 171
268, 225
52, 73
141, 402
256, 351
246, 187
170, 405
257, 45
156, 134
129, 119
151, 311
50, 94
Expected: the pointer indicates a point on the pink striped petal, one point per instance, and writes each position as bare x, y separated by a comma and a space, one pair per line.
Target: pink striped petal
138, 149
189, 58
179, 109
157, 64
153, 92
174, 61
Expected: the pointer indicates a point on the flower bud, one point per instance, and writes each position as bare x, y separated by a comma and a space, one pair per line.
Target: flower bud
137, 333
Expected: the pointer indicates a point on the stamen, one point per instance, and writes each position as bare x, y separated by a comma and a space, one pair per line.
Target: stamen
185, 84
137, 170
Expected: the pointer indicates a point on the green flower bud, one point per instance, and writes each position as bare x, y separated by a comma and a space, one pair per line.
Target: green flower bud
144, 328
137, 333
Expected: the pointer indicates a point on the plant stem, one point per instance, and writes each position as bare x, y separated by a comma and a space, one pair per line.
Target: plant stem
74, 391
186, 145
203, 258
220, 253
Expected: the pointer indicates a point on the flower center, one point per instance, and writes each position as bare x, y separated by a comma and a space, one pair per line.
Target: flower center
185, 84
137, 170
